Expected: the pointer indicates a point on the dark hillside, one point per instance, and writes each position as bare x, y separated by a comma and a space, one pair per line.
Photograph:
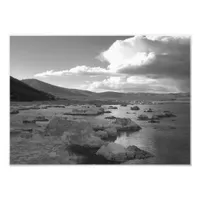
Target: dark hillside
20, 91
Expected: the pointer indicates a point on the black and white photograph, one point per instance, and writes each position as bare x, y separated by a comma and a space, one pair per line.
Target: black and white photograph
122, 100
99, 100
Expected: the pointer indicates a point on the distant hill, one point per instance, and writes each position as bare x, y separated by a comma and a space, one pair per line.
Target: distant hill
108, 95
20, 91
57, 91
133, 96
83, 95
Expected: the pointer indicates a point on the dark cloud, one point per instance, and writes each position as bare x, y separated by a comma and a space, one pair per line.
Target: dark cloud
157, 57
172, 66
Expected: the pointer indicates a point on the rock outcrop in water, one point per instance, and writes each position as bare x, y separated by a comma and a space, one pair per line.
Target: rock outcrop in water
106, 133
112, 107
143, 117
86, 110
74, 133
29, 121
100, 127
119, 124
87, 141
169, 114
110, 117
112, 131
58, 125
137, 153
118, 153
107, 111
41, 118
125, 124
148, 110
153, 121
135, 108
113, 152
165, 114
123, 104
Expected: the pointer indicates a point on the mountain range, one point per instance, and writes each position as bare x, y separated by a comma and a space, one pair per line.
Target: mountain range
33, 89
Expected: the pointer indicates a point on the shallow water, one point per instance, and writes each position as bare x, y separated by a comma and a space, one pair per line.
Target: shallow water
169, 140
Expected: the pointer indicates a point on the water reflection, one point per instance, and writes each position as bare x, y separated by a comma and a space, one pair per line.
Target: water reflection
170, 146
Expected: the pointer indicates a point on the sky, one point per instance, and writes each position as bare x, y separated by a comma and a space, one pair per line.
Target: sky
140, 63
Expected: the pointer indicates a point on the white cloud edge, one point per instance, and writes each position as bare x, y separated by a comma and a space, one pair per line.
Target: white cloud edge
120, 56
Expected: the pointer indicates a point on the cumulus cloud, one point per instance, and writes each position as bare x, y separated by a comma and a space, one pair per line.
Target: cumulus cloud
140, 63
132, 84
50, 73
157, 56
87, 70
82, 70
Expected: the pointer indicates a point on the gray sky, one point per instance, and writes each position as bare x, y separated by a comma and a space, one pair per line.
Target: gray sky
101, 63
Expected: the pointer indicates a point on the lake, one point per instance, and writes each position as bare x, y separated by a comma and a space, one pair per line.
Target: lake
168, 140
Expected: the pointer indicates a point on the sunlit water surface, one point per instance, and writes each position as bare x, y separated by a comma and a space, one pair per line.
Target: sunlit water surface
169, 140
